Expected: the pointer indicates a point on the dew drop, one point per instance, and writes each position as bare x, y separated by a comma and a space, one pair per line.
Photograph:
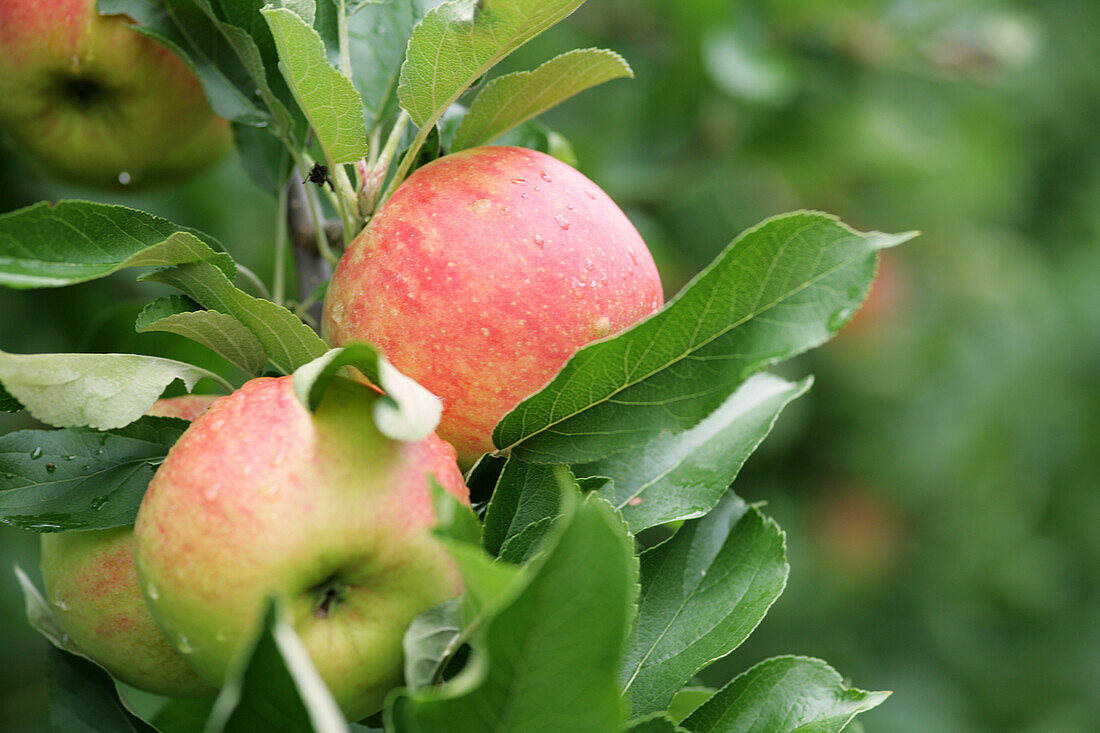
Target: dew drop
539, 241
578, 287
9, 476
51, 467
570, 207
337, 313
153, 593
635, 501
537, 188
633, 257
67, 458
124, 178
839, 318
61, 604
99, 501
184, 645
589, 265
562, 221
601, 327
504, 209
546, 177
36, 453
482, 206
589, 194
519, 181
523, 195
99, 452
84, 469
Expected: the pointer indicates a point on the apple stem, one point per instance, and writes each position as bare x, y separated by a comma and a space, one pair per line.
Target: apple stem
368, 195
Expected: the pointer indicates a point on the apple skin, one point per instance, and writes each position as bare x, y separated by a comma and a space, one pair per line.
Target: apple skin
90, 98
261, 498
94, 592
482, 274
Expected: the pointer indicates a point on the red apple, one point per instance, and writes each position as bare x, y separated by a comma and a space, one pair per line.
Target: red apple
262, 498
94, 591
96, 102
482, 274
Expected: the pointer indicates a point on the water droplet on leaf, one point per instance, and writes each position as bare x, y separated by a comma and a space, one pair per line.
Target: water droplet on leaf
36, 453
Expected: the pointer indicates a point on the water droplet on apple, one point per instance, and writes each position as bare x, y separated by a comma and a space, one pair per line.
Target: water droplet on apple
337, 313
523, 195
539, 241
153, 593
570, 207
36, 453
578, 287
562, 221
61, 604
546, 177
600, 327
519, 181
184, 645
537, 188
589, 265
124, 178
504, 209
482, 206
633, 257
589, 194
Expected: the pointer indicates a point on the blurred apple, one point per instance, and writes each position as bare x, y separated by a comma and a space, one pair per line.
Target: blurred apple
96, 102
262, 498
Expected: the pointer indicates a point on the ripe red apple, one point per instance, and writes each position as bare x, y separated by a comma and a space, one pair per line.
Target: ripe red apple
482, 274
262, 498
96, 102
94, 591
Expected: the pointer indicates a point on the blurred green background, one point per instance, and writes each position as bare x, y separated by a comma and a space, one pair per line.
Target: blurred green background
940, 485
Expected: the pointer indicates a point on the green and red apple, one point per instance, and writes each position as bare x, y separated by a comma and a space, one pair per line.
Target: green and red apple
482, 274
96, 102
94, 592
262, 498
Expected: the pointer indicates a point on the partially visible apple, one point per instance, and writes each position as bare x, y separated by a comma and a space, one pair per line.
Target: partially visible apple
96, 102
482, 274
262, 498
94, 591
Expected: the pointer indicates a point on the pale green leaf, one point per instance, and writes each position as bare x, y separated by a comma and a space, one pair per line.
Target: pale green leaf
219, 332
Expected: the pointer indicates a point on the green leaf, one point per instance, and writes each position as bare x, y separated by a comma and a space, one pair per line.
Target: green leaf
427, 643
83, 697
276, 688
263, 156
457, 42
7, 402
221, 333
779, 289
53, 480
510, 100
453, 519
406, 412
287, 341
522, 547
687, 700
101, 391
328, 99
684, 475
703, 592
784, 695
545, 661
182, 715
228, 86
525, 493
44, 245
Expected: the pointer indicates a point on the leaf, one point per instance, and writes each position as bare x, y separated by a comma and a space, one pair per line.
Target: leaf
263, 156
221, 333
287, 341
510, 100
457, 42
328, 99
427, 643
228, 87
44, 245
102, 391
77, 478
525, 493
83, 698
406, 412
703, 592
779, 289
546, 661
687, 700
521, 547
684, 475
182, 715
453, 519
784, 695
656, 723
276, 688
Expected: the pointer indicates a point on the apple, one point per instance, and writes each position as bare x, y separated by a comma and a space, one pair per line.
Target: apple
482, 274
261, 498
94, 592
96, 102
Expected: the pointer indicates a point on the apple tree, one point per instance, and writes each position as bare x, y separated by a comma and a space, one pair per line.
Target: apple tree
593, 554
